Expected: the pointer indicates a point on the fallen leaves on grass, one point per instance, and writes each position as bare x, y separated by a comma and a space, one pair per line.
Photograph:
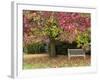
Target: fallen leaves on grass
44, 61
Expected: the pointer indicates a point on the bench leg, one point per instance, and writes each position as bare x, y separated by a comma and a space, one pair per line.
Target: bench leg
84, 57
68, 57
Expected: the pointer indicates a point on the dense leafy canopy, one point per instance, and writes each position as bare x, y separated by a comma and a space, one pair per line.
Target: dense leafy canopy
65, 26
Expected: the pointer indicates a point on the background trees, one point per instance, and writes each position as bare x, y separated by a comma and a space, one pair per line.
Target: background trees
48, 27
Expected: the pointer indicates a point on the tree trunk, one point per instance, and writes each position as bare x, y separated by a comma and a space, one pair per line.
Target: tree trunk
51, 48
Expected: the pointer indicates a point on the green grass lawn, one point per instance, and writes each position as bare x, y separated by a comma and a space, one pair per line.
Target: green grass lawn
32, 61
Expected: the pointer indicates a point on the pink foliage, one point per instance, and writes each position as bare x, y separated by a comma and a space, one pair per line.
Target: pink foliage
69, 21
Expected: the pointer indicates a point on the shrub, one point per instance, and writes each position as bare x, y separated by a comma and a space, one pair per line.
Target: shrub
34, 48
61, 47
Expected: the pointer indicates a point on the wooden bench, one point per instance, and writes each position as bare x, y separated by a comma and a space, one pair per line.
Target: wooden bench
76, 53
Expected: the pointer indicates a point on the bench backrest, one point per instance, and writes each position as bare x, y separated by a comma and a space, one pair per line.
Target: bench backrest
75, 51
